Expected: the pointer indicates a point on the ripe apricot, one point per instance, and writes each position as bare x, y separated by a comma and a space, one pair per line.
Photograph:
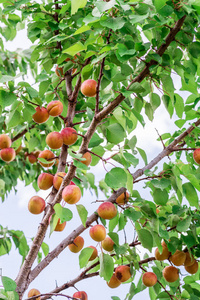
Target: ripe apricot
34, 292
123, 198
178, 258
193, 268
123, 273
189, 260
113, 282
77, 244
149, 279
98, 232
170, 273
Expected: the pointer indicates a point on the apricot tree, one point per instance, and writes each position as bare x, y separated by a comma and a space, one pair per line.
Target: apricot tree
101, 70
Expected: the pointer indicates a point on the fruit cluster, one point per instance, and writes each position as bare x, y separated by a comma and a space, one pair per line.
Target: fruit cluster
179, 258
77, 295
7, 153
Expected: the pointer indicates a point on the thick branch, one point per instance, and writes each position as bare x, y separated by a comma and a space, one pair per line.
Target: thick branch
84, 275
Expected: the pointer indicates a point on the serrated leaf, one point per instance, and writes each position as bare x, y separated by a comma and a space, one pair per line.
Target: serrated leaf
83, 213
149, 111
191, 194
84, 256
8, 283
160, 197
113, 23
194, 49
183, 225
12, 295
143, 155
116, 178
45, 248
103, 6
13, 120
74, 49
7, 98
154, 100
129, 182
64, 214
132, 159
132, 214
82, 29
159, 4
146, 238
114, 236
76, 4
106, 266
115, 133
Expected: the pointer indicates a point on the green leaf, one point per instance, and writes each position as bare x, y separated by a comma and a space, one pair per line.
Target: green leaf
82, 29
14, 119
84, 256
194, 49
137, 18
95, 141
179, 105
76, 4
64, 214
129, 184
113, 23
106, 266
159, 4
115, 133
116, 178
114, 236
33, 143
99, 150
132, 159
12, 295
132, 214
160, 197
43, 87
3, 297
103, 6
191, 194
8, 283
168, 86
154, 100
132, 142
183, 225
136, 87
74, 49
45, 248
146, 238
139, 117
7, 98
143, 155
149, 111
163, 296
83, 213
